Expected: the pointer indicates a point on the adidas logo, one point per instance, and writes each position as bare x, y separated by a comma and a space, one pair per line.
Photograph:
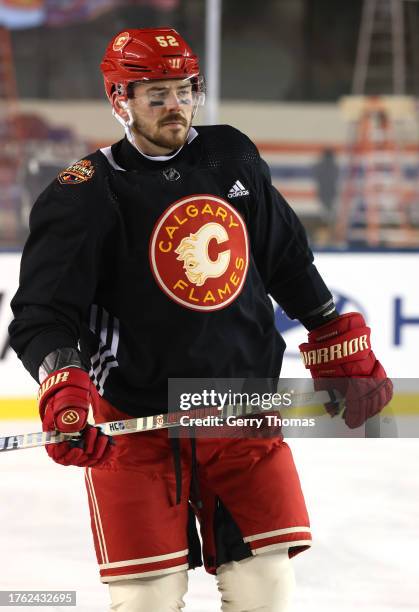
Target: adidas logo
238, 190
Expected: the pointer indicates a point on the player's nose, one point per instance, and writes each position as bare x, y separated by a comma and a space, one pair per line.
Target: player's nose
172, 101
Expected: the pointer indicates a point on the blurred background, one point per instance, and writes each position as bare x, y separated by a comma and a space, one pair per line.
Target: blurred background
297, 75
329, 92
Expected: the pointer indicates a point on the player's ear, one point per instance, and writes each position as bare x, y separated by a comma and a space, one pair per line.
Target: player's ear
120, 106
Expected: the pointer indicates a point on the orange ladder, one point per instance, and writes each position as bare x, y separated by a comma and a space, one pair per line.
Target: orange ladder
377, 197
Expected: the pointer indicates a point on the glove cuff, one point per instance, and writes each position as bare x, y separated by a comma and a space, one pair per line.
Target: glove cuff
335, 327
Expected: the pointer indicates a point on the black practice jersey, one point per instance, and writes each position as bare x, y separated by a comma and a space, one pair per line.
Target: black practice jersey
162, 269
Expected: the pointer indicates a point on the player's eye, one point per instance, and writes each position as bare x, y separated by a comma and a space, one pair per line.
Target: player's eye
157, 98
184, 96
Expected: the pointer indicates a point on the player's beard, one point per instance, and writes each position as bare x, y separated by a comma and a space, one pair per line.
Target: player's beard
165, 138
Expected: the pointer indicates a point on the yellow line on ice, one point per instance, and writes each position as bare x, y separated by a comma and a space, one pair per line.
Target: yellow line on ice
402, 404
14, 408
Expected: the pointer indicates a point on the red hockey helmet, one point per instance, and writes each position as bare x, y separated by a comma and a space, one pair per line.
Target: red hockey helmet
148, 54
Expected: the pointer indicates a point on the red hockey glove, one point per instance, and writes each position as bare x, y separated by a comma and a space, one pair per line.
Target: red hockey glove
341, 350
64, 401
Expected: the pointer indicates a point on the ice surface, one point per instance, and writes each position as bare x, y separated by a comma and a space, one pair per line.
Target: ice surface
362, 495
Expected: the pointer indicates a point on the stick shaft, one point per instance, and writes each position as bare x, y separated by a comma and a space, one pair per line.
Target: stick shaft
151, 423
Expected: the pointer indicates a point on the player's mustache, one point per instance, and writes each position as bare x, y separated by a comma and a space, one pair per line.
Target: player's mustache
174, 117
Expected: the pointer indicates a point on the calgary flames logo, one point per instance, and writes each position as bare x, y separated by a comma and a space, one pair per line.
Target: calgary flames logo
120, 41
193, 251
199, 252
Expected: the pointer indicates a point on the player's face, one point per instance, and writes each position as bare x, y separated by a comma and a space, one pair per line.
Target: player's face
162, 114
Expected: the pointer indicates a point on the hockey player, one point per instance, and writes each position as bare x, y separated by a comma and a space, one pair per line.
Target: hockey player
151, 259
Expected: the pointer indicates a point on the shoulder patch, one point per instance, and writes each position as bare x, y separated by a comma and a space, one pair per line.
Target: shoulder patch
79, 172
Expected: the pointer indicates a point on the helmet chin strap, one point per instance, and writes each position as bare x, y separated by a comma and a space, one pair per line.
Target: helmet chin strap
126, 124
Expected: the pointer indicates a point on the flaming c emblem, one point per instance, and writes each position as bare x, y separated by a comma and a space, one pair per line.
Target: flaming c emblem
193, 251
199, 252
120, 41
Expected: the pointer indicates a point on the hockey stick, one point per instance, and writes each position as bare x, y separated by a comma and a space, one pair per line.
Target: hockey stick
160, 421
